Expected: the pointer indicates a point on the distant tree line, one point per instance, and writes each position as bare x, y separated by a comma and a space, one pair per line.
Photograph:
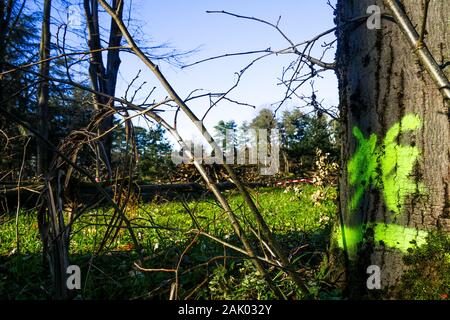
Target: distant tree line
301, 135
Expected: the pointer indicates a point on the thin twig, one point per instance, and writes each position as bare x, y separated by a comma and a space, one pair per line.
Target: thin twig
227, 55
18, 195
64, 55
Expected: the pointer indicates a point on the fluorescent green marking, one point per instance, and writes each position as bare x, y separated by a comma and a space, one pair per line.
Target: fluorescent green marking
397, 164
395, 161
362, 166
387, 167
399, 237
391, 235
353, 236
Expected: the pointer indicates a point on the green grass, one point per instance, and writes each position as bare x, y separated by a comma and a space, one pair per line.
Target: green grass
297, 218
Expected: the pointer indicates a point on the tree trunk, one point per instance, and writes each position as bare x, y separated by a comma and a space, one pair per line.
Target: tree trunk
6, 8
103, 79
394, 186
50, 221
43, 95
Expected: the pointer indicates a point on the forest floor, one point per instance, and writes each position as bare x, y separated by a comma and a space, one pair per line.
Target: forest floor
301, 218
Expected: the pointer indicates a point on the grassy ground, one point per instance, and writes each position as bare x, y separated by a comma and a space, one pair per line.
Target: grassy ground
300, 218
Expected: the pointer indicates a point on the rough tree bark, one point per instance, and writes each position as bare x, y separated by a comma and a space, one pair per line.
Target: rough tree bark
394, 186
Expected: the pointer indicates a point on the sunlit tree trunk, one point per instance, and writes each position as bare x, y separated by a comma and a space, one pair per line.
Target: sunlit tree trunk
394, 186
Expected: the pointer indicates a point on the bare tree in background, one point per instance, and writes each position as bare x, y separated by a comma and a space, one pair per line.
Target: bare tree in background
50, 218
104, 78
43, 91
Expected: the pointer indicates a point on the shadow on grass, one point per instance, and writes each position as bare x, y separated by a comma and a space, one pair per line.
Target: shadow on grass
207, 271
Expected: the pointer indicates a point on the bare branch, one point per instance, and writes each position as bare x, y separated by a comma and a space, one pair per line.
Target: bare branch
275, 26
227, 55
423, 53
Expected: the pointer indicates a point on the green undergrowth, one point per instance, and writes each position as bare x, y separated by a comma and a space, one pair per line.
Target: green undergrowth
300, 219
428, 273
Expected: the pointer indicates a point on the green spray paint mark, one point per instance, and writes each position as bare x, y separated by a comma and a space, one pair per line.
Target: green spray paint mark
399, 237
389, 235
353, 236
395, 163
362, 166
387, 167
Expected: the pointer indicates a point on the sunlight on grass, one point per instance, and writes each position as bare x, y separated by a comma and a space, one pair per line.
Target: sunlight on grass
295, 216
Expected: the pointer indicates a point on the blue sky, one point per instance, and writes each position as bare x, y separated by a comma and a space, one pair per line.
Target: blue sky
185, 25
